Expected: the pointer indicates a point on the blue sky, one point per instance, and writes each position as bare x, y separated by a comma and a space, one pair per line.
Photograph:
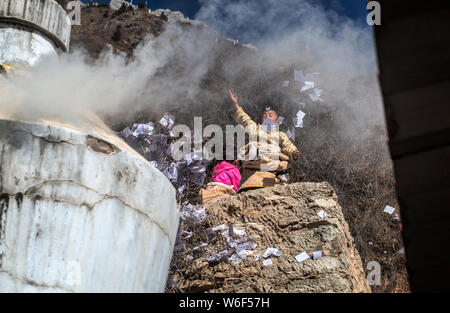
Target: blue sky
355, 9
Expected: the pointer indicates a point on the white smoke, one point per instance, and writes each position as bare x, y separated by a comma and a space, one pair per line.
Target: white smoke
169, 70
305, 34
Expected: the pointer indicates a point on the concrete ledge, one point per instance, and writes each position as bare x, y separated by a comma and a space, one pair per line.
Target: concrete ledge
44, 15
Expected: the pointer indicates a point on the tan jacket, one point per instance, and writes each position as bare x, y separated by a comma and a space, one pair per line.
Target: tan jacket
286, 146
253, 175
215, 191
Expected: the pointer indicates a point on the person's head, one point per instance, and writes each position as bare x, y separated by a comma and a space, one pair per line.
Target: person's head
270, 114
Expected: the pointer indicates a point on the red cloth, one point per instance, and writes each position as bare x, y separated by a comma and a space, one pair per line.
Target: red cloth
227, 174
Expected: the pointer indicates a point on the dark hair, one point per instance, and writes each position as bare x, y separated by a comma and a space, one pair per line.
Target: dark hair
271, 109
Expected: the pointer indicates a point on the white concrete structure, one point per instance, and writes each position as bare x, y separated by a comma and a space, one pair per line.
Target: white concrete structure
30, 29
80, 211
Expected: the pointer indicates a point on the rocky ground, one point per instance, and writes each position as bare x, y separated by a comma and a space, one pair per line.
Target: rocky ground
123, 30
283, 218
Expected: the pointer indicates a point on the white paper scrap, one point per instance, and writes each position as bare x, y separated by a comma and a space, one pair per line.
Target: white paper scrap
267, 262
401, 251
271, 251
239, 232
308, 85
389, 209
298, 76
301, 114
322, 214
315, 95
317, 255
235, 259
298, 120
243, 254
220, 227
302, 257
291, 133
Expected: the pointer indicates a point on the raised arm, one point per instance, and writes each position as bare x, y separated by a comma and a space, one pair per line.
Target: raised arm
240, 116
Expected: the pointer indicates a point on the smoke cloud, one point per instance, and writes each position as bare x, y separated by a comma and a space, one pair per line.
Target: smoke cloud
188, 70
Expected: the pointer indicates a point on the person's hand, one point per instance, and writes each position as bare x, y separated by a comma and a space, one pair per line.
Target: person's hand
296, 154
234, 98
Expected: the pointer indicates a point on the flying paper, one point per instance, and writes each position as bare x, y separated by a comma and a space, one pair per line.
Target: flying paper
302, 257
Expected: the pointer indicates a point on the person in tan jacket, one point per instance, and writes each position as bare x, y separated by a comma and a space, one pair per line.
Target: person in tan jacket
273, 152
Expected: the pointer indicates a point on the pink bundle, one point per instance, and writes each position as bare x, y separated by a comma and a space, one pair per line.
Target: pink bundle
227, 174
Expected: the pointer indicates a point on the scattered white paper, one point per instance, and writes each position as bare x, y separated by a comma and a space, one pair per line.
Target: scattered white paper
267, 262
235, 259
181, 189
243, 254
239, 232
172, 172
397, 218
301, 114
256, 257
298, 120
280, 120
141, 129
200, 246
220, 227
168, 120
186, 234
217, 257
302, 257
370, 243
298, 76
322, 214
308, 85
248, 245
389, 209
315, 95
317, 255
401, 251
271, 251
291, 133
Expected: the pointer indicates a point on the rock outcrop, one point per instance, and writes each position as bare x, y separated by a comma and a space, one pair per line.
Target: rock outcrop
284, 218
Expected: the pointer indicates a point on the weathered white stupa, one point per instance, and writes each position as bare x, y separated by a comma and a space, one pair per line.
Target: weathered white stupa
80, 211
